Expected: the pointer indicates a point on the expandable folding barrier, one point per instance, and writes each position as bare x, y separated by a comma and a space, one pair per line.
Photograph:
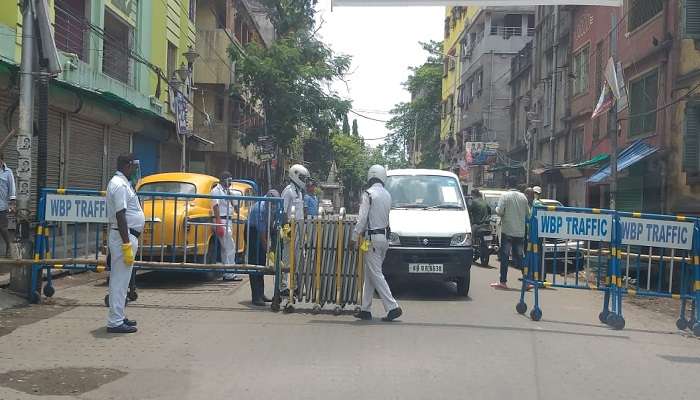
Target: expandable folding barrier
179, 235
619, 253
322, 267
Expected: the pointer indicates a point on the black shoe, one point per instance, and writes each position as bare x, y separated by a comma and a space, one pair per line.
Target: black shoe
130, 322
284, 293
393, 314
123, 328
259, 303
364, 315
266, 299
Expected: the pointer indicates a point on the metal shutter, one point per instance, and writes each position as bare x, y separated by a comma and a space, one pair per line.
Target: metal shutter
629, 193
53, 156
85, 155
691, 9
119, 143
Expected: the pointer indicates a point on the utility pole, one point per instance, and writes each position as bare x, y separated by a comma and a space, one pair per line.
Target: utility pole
555, 49
20, 276
613, 115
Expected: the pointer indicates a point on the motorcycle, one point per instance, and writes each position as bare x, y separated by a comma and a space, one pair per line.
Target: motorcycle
482, 243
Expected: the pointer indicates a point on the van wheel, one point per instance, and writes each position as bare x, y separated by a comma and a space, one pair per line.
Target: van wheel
463, 284
210, 258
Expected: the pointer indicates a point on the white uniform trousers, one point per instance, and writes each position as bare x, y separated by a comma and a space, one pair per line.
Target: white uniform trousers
374, 277
119, 277
228, 249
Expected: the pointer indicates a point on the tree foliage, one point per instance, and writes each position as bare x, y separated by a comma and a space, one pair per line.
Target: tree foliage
291, 78
355, 130
346, 125
421, 116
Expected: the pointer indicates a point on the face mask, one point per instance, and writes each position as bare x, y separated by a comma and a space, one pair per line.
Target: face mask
135, 173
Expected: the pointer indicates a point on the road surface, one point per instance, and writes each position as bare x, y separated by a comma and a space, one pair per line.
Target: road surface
203, 340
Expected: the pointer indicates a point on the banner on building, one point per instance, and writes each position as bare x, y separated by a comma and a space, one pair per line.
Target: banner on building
405, 3
604, 102
480, 153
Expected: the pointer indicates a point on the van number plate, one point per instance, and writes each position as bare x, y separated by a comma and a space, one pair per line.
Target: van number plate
425, 268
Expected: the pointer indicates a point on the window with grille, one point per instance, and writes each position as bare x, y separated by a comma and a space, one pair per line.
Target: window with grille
71, 27
171, 60
641, 11
575, 152
580, 65
117, 46
643, 94
691, 139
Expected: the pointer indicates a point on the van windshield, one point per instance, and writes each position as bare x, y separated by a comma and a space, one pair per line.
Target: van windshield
425, 192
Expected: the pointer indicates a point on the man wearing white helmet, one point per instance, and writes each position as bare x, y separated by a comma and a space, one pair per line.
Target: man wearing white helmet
293, 203
373, 223
538, 194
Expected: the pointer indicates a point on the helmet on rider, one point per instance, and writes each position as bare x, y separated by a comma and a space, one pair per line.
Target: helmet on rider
298, 174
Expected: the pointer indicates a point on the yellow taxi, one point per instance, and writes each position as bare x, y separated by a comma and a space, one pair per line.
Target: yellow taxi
181, 229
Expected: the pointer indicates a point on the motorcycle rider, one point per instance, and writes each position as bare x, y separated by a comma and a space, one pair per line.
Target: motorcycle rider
480, 216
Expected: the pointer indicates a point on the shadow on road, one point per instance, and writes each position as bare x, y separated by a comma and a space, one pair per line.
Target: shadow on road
425, 290
466, 326
681, 359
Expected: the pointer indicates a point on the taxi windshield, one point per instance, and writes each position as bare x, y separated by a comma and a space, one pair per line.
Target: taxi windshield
169, 187
425, 192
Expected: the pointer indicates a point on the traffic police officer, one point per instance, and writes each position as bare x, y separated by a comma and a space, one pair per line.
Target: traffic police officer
293, 203
126, 224
373, 223
224, 211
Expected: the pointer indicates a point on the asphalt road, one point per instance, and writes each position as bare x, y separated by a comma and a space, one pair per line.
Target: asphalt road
203, 340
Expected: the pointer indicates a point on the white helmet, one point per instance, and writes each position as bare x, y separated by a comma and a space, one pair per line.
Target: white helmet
537, 189
298, 174
377, 171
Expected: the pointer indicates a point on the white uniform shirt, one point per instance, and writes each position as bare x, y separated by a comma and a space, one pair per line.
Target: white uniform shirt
227, 208
375, 216
121, 196
292, 196
7, 187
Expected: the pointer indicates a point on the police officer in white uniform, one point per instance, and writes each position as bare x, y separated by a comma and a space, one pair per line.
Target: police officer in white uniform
126, 224
225, 211
373, 223
293, 203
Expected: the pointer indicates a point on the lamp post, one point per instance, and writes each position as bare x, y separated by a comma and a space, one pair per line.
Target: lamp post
183, 77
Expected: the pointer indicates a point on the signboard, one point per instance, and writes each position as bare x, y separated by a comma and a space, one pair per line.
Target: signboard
480, 153
576, 226
181, 114
69, 208
390, 3
656, 233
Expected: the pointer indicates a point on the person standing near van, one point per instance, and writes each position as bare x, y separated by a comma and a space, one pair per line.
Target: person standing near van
126, 221
373, 223
513, 208
224, 214
8, 196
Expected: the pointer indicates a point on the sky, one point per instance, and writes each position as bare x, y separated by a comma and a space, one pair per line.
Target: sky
383, 43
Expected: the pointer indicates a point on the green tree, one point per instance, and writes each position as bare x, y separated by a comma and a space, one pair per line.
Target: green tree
346, 125
288, 78
355, 130
419, 119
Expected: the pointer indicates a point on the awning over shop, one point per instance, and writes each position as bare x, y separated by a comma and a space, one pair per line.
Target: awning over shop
634, 153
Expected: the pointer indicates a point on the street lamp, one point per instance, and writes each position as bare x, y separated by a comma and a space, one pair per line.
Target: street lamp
183, 76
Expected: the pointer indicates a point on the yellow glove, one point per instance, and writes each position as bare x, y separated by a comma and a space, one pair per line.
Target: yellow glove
128, 253
364, 246
286, 232
271, 259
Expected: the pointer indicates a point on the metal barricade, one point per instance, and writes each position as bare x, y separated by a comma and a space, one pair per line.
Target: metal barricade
563, 254
179, 235
619, 253
322, 268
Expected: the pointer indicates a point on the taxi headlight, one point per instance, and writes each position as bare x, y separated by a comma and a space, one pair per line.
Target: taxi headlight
394, 239
461, 239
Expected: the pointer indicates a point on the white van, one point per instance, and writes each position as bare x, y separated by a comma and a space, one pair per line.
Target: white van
430, 228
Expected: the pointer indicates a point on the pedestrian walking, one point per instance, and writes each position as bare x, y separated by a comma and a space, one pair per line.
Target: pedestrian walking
293, 203
126, 221
262, 234
8, 196
373, 224
480, 217
225, 212
513, 209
